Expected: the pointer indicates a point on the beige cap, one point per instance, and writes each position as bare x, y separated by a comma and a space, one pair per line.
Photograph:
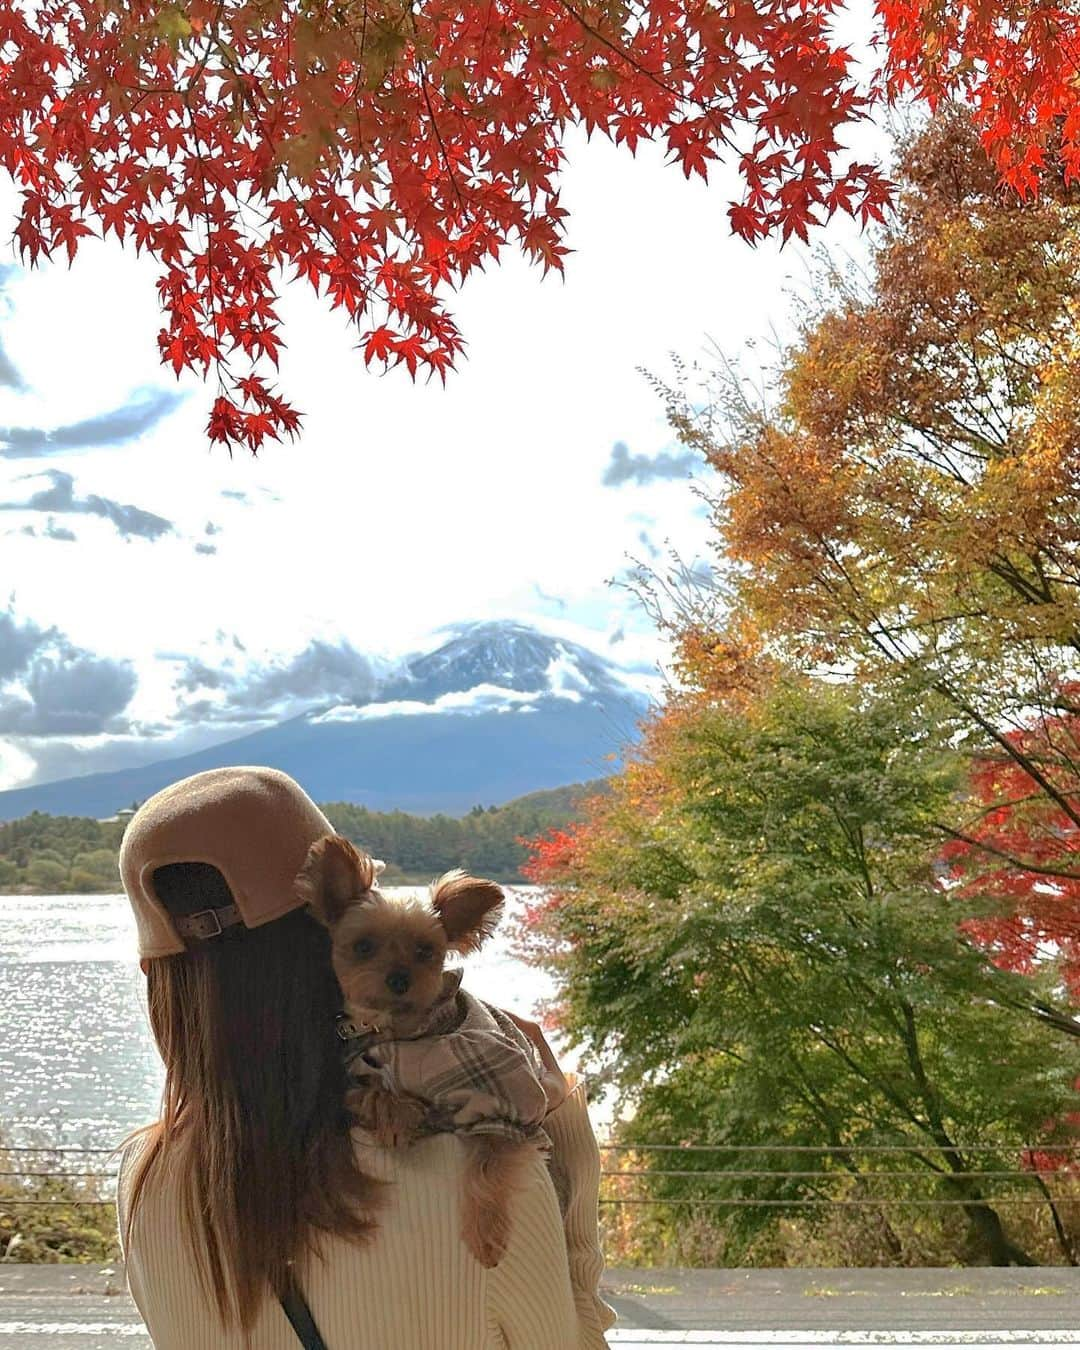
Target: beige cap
254, 825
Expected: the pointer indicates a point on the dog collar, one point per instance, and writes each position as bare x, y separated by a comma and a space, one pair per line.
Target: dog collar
442, 1016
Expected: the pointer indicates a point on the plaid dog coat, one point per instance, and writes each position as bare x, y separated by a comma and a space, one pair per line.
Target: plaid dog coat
473, 1068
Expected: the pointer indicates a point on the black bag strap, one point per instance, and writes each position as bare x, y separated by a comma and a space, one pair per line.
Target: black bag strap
297, 1311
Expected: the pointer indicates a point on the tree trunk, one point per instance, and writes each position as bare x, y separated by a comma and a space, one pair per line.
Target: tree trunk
821, 1107
984, 1219
1064, 1241
987, 1224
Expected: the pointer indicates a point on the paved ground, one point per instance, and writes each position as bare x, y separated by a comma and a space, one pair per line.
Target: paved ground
854, 1300
86, 1308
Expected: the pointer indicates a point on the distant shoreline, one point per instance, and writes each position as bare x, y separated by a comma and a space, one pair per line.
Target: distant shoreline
388, 879
42, 854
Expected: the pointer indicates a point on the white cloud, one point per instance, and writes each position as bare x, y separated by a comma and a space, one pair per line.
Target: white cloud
403, 507
233, 686
483, 698
49, 687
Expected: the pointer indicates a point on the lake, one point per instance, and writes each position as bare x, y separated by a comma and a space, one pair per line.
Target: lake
77, 1063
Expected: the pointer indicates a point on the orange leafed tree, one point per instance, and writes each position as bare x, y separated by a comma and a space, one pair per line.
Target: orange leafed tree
901, 511
383, 150
904, 501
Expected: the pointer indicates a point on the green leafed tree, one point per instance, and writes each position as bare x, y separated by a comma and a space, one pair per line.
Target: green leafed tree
751, 934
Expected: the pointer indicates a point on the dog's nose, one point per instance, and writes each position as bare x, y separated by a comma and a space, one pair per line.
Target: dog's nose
397, 981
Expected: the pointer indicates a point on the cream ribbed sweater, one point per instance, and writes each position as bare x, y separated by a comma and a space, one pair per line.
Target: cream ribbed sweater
415, 1287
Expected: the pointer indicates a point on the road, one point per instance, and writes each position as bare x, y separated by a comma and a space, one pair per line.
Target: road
86, 1308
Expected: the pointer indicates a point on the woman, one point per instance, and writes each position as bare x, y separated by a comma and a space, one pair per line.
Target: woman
253, 1193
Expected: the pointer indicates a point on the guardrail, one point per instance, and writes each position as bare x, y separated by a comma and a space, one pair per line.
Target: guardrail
63, 1164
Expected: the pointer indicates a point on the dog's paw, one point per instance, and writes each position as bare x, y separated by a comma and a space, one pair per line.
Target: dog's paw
489, 1251
486, 1233
401, 1126
394, 1121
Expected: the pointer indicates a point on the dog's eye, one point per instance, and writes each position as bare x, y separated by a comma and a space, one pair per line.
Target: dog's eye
363, 947
425, 951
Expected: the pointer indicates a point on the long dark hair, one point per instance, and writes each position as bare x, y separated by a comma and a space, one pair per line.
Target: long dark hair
252, 1113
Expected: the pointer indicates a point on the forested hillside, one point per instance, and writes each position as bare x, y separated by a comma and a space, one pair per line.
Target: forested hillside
484, 842
43, 854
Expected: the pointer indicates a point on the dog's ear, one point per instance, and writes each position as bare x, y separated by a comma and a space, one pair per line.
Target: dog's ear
468, 909
335, 873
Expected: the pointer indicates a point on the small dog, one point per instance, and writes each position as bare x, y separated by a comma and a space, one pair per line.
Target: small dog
423, 1056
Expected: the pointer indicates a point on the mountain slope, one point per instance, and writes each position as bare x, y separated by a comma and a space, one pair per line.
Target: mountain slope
497, 711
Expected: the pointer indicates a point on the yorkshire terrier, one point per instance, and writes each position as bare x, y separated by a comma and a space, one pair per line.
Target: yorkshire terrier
424, 1057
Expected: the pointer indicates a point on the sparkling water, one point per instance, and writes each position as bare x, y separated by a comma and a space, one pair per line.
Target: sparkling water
78, 1066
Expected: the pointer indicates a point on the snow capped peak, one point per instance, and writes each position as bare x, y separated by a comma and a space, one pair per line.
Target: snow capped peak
510, 656
494, 711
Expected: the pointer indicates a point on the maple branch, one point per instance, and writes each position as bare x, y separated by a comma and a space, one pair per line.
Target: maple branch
720, 131
220, 363
1064, 1241
982, 845
900, 1103
1063, 746
212, 42
996, 805
932, 449
941, 686
424, 84
1013, 751
1005, 569
1043, 1012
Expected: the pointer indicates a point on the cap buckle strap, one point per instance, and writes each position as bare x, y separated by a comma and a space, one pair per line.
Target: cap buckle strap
207, 923
200, 924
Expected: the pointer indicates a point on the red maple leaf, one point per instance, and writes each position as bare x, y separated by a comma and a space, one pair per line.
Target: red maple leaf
382, 160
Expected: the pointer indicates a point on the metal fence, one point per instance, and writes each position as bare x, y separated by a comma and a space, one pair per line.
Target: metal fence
31, 1168
29, 1174
814, 1179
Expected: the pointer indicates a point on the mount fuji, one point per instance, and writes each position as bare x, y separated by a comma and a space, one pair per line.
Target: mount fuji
495, 711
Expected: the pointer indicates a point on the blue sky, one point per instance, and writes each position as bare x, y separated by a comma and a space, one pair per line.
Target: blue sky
148, 576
